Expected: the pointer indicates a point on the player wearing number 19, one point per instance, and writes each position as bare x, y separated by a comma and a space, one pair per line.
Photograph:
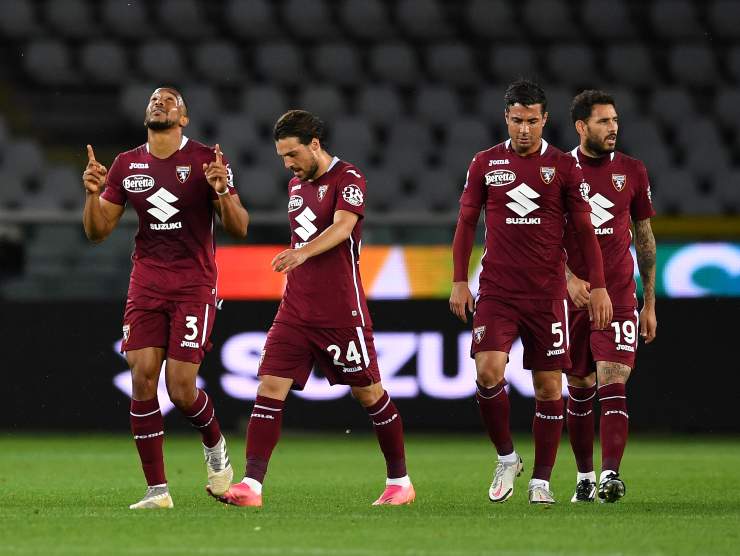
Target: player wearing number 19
175, 185
619, 194
528, 188
323, 316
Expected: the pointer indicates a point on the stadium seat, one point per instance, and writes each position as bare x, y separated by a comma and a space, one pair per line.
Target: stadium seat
437, 104
452, 63
264, 103
219, 62
23, 158
236, 134
727, 188
61, 188
260, 188
162, 62
18, 19
727, 108
733, 63
693, 65
512, 61
670, 188
366, 19
675, 20
408, 147
49, 62
558, 110
395, 63
606, 19
490, 105
468, 135
383, 186
105, 62
325, 101
379, 104
13, 191
338, 63
202, 102
698, 130
127, 19
631, 64
351, 139
550, 19
423, 19
572, 65
672, 106
724, 19
492, 20
309, 19
251, 20
134, 99
183, 19
628, 107
70, 19
280, 62
440, 188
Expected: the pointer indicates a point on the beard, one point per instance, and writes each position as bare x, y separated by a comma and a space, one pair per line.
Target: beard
598, 148
312, 170
159, 125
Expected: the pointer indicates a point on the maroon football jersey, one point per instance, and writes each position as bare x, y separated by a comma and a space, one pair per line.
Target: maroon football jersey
526, 200
174, 256
619, 191
326, 290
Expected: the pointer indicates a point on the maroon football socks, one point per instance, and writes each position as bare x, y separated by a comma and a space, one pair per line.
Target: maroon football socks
202, 416
493, 404
614, 425
547, 428
389, 430
263, 433
147, 426
580, 418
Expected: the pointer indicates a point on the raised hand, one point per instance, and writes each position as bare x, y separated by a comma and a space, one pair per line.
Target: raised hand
216, 172
94, 175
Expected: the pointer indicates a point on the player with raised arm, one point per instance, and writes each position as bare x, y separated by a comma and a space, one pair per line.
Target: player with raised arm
619, 195
528, 188
175, 185
323, 317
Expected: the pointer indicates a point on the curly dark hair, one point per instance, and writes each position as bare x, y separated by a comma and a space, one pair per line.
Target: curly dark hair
583, 103
526, 93
301, 124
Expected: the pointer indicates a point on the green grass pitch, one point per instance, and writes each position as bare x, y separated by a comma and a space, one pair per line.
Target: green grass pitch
69, 495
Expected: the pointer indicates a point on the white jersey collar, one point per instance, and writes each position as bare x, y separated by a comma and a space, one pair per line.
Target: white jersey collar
182, 143
576, 152
543, 146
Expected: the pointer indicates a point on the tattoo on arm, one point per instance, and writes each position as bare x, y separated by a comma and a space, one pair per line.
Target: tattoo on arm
645, 248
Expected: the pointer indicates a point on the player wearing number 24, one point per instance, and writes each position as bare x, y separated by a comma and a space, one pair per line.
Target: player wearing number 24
323, 317
175, 185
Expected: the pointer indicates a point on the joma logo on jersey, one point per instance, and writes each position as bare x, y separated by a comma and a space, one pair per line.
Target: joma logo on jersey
497, 162
163, 209
523, 204
497, 178
138, 183
138, 166
599, 214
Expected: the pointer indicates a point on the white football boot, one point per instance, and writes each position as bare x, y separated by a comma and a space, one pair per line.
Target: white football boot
502, 486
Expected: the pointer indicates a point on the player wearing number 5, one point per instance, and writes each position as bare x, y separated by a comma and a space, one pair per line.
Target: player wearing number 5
175, 185
619, 194
528, 189
323, 317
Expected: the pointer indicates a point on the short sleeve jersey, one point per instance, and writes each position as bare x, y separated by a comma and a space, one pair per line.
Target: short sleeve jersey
619, 191
326, 290
174, 254
526, 199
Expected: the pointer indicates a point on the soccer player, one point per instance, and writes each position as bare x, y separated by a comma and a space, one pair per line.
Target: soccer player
323, 317
528, 188
619, 194
175, 185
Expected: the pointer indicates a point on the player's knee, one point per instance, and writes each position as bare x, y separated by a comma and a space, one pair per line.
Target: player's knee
547, 388
489, 377
182, 393
144, 385
582, 382
367, 396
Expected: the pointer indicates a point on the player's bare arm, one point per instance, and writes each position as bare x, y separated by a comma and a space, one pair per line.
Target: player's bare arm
233, 215
339, 231
645, 248
99, 216
578, 289
600, 305
461, 299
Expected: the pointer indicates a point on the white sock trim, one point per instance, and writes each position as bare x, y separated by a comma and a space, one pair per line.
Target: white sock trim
539, 482
398, 481
591, 476
605, 473
254, 484
513, 457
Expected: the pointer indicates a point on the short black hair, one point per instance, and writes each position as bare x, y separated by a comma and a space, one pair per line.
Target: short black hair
583, 103
301, 124
175, 91
526, 93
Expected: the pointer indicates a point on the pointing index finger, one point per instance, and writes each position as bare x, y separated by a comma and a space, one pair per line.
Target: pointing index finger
90, 154
218, 153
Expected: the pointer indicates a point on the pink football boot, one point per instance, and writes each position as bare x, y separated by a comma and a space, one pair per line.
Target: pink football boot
396, 495
239, 494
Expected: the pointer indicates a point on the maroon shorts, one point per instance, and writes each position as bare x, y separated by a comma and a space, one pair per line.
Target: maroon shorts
182, 328
541, 323
345, 355
616, 344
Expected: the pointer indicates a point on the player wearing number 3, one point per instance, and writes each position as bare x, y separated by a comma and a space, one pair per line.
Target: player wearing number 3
619, 193
175, 185
323, 317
